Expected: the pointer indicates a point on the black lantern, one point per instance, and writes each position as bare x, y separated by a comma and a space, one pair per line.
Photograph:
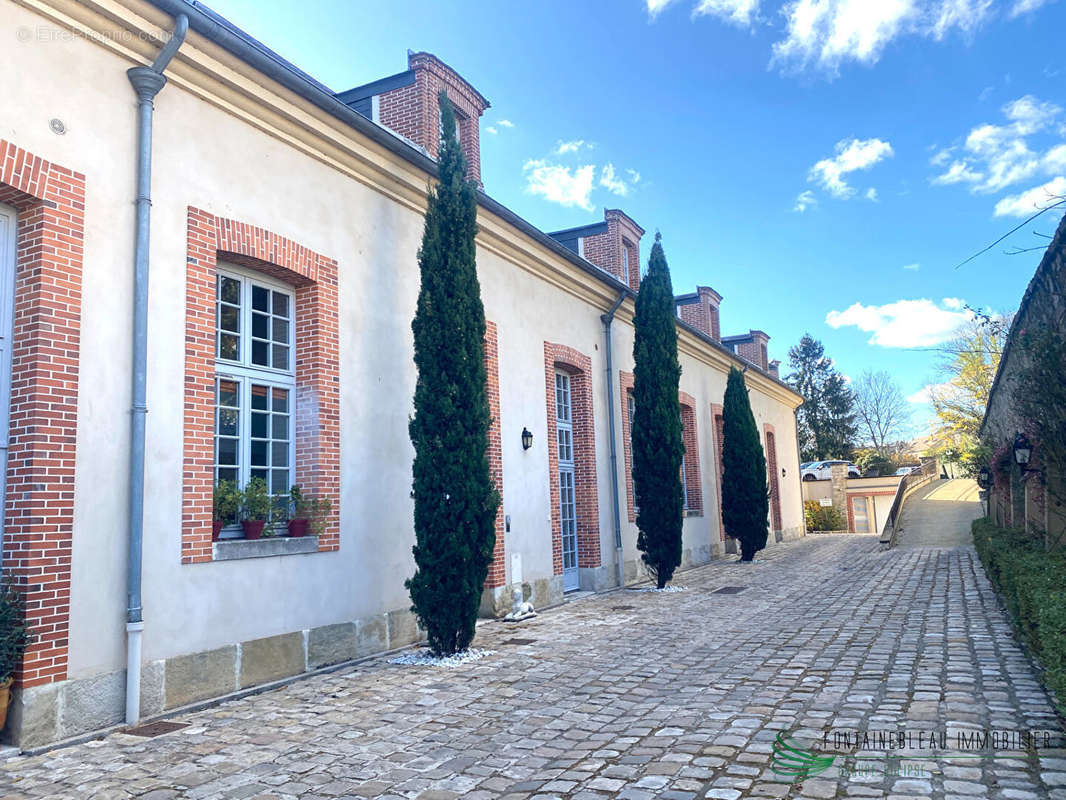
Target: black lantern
527, 439
984, 477
1023, 451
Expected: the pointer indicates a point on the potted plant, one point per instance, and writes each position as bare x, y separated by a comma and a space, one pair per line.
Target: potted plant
14, 637
256, 502
309, 512
226, 504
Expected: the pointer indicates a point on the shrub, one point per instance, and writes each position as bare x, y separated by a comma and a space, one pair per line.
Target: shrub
14, 635
1032, 585
822, 518
226, 501
745, 495
256, 500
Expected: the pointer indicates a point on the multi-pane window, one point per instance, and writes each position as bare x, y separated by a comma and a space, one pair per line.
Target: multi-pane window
255, 381
625, 263
564, 427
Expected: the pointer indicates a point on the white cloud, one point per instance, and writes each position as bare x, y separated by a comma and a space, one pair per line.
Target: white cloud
655, 7
871, 194
994, 157
904, 323
825, 34
805, 200
941, 158
634, 176
912, 267
924, 396
1032, 200
958, 172
611, 182
491, 129
562, 148
851, 155
743, 13
559, 184
1025, 6
506, 123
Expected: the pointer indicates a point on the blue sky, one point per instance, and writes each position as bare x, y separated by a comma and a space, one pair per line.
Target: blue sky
823, 164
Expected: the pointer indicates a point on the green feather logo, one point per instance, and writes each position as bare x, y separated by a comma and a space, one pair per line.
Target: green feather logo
796, 763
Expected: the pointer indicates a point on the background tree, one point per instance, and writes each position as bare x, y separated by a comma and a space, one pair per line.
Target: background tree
969, 363
657, 444
826, 420
745, 494
455, 501
881, 409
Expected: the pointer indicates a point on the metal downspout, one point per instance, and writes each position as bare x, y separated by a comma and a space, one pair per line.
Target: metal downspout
607, 319
146, 81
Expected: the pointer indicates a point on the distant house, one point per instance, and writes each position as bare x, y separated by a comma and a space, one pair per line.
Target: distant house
286, 220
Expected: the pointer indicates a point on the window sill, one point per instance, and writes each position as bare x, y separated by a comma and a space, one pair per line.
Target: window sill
233, 549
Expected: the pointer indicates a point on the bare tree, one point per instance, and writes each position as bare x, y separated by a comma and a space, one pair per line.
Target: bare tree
880, 408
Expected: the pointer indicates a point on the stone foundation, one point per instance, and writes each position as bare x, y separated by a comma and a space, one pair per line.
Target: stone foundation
42, 715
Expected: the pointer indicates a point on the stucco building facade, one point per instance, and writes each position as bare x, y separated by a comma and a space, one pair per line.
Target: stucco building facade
285, 223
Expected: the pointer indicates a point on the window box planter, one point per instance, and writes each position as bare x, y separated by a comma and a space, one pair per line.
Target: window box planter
298, 527
253, 528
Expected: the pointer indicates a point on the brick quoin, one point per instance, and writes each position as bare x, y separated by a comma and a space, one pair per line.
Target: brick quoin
771, 470
39, 513
413, 111
690, 438
497, 575
718, 415
579, 367
210, 240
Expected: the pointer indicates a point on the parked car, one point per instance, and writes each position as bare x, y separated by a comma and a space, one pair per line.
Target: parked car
820, 470
909, 471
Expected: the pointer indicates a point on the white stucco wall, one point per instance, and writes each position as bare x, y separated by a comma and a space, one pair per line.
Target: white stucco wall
211, 159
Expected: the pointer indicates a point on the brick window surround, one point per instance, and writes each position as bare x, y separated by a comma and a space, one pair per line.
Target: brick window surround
771, 471
625, 384
718, 415
314, 277
579, 367
49, 201
497, 575
690, 437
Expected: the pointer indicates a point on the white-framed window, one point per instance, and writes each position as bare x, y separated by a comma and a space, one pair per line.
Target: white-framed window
564, 429
625, 263
255, 380
684, 483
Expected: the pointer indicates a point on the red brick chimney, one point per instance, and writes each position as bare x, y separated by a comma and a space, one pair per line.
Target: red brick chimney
612, 245
700, 310
750, 346
407, 104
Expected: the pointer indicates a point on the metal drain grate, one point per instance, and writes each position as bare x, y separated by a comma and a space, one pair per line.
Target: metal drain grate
621, 608
518, 641
156, 729
730, 590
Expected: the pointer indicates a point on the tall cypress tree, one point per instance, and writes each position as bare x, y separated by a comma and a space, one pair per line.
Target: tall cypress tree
455, 500
745, 495
657, 444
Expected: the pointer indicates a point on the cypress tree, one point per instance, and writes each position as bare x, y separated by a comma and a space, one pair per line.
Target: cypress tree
454, 498
657, 443
745, 495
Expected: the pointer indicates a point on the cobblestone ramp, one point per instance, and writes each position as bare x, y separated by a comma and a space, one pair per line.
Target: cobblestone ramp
631, 695
940, 515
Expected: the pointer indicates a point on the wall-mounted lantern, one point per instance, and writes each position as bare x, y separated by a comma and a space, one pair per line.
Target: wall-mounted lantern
984, 477
1023, 451
527, 439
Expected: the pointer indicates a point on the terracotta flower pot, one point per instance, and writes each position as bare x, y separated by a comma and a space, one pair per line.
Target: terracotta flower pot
298, 527
216, 529
5, 700
253, 528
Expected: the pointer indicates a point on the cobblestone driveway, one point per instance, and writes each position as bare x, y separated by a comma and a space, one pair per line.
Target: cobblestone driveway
631, 695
